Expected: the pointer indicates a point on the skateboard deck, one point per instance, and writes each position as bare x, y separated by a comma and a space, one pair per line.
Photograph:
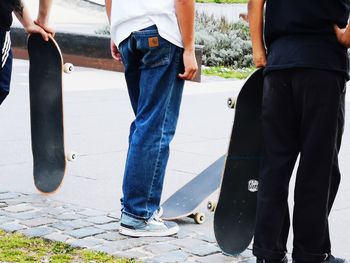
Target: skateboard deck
46, 113
185, 201
234, 218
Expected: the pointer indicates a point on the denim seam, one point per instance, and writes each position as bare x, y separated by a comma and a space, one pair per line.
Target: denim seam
146, 32
156, 170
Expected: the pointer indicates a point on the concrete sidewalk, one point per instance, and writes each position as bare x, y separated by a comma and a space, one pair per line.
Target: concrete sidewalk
85, 212
97, 118
76, 16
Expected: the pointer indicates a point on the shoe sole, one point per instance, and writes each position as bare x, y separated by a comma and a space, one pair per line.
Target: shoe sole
135, 233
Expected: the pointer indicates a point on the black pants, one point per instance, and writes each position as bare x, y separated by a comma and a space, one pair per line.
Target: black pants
303, 113
5, 64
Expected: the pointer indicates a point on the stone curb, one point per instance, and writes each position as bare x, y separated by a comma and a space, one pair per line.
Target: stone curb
83, 50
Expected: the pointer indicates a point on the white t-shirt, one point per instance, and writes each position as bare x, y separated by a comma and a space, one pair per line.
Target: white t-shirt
133, 15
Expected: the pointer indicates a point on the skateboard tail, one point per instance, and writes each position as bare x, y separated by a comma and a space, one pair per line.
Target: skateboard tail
234, 219
47, 179
234, 229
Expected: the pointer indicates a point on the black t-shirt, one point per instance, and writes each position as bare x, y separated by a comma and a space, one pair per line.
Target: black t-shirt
299, 33
6, 9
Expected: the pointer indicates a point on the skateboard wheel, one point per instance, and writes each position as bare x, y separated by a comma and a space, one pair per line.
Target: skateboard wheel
68, 68
71, 156
231, 102
211, 206
199, 218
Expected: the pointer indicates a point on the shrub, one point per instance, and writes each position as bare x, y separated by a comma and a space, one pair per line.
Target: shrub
225, 43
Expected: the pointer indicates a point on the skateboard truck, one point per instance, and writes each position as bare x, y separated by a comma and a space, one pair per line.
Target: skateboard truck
231, 102
69, 68
211, 206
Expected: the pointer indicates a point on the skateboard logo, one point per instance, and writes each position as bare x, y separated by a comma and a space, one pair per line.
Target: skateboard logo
253, 186
153, 42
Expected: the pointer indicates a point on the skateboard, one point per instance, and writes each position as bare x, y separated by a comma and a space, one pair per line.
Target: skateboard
46, 113
185, 202
234, 218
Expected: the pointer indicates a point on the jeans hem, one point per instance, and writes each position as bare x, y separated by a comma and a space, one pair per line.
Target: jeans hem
135, 216
268, 254
302, 256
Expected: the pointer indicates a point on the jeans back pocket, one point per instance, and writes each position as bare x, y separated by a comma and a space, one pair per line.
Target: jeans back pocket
155, 50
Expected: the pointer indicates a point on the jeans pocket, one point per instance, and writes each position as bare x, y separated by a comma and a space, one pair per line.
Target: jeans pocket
156, 51
123, 51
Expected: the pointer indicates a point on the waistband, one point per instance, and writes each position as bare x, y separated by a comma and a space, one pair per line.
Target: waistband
4, 30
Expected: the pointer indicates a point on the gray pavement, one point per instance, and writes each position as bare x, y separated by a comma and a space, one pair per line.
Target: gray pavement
85, 211
74, 16
97, 118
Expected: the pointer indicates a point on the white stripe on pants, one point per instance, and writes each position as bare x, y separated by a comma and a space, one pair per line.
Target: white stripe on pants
6, 49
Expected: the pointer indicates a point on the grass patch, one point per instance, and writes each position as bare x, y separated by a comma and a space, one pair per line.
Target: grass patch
223, 1
227, 73
18, 248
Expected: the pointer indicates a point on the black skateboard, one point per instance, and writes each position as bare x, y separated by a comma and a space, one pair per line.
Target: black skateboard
234, 218
186, 201
46, 112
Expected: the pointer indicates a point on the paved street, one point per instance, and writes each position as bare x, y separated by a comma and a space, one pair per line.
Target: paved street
97, 117
85, 211
73, 16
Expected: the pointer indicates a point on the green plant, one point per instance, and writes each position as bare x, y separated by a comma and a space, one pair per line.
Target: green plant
18, 248
227, 73
224, 43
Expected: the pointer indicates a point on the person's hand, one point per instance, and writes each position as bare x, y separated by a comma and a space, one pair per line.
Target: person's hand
34, 29
115, 52
259, 58
190, 64
43, 25
343, 35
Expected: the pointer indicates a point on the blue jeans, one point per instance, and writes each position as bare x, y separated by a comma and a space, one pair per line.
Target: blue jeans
5, 64
151, 68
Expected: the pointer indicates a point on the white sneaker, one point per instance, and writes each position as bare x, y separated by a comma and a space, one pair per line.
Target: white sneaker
153, 227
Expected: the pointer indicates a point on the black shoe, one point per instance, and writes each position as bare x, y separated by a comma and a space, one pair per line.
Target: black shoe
332, 259
283, 260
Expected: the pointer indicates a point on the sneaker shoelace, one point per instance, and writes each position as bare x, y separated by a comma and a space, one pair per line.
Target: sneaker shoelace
156, 216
